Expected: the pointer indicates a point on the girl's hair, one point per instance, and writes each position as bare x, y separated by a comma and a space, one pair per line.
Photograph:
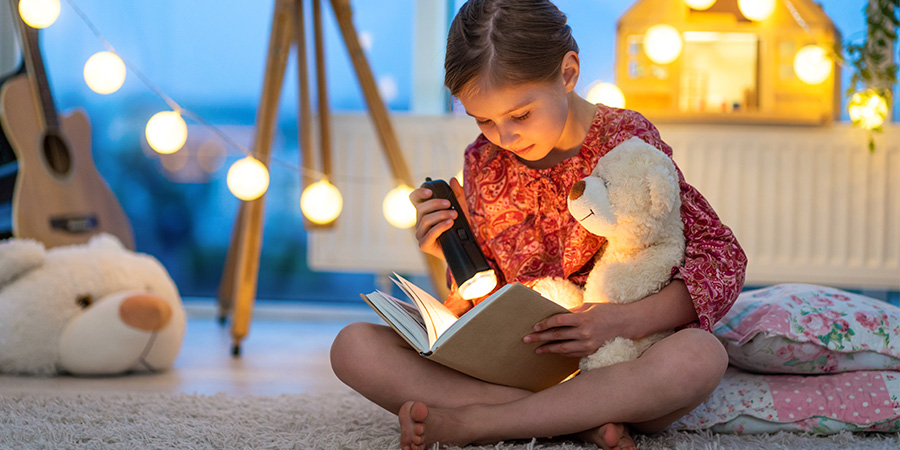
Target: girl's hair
506, 41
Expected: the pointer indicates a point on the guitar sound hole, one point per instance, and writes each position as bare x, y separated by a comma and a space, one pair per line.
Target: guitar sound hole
56, 153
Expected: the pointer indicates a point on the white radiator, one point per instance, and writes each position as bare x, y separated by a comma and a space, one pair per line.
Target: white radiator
808, 204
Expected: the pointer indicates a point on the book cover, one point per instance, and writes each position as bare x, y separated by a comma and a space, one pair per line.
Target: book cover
486, 342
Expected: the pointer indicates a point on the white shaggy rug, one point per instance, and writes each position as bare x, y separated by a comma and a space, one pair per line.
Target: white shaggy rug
297, 421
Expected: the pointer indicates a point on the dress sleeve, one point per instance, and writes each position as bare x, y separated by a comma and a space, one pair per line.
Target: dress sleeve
714, 263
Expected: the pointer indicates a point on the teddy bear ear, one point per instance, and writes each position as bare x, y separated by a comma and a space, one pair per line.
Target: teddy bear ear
105, 241
18, 256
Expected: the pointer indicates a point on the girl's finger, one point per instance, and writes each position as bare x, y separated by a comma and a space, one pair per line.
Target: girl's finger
419, 195
558, 320
554, 334
435, 232
570, 349
433, 219
460, 195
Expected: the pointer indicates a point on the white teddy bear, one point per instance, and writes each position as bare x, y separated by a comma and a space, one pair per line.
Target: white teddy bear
632, 198
92, 309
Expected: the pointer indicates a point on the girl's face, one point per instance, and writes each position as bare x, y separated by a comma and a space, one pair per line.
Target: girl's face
528, 120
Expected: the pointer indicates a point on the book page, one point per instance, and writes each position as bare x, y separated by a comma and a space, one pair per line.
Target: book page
436, 316
402, 316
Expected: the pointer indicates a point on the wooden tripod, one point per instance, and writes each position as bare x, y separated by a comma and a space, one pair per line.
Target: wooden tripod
239, 279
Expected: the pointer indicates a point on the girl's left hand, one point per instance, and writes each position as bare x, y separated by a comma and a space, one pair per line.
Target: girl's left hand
582, 331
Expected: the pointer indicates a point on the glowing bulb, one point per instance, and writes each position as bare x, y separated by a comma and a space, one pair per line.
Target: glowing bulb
397, 208
757, 10
481, 284
104, 72
321, 202
248, 179
812, 64
166, 132
39, 13
868, 109
606, 93
700, 5
662, 43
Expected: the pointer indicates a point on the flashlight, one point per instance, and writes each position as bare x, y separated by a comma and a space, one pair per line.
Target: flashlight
467, 263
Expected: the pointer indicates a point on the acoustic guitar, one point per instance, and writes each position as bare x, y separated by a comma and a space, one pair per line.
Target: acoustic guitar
59, 198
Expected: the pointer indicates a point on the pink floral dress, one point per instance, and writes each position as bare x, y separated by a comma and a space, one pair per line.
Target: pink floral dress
521, 220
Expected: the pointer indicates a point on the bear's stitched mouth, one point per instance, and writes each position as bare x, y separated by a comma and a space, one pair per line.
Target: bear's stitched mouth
589, 215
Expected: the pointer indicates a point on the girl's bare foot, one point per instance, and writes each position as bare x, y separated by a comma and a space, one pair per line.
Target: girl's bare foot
412, 425
420, 427
612, 436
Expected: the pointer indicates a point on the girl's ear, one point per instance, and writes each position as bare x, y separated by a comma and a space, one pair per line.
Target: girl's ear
570, 69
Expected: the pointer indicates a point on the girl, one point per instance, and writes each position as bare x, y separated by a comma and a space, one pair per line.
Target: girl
513, 65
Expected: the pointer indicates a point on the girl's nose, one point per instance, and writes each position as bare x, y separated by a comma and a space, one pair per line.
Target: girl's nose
508, 136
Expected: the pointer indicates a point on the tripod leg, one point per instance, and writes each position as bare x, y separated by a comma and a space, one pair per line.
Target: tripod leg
251, 216
227, 282
383, 126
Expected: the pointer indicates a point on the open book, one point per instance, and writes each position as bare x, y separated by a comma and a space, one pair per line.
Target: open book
486, 342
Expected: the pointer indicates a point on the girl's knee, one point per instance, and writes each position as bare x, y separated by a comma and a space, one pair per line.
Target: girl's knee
349, 345
701, 361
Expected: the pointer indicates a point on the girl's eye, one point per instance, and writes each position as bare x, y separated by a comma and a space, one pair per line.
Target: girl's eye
482, 122
523, 116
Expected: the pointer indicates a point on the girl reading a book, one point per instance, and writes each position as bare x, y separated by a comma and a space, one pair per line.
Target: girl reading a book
513, 65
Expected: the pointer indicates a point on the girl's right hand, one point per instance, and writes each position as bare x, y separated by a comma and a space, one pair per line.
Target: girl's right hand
434, 217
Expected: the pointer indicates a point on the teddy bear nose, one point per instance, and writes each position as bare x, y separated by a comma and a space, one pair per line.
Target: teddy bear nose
145, 312
577, 190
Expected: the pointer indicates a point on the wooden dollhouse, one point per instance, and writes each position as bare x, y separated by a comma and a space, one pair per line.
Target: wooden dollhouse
728, 67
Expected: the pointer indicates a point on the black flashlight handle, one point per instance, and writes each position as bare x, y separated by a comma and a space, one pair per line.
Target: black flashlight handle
463, 255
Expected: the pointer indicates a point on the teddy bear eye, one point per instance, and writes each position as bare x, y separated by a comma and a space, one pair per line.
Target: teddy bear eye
84, 302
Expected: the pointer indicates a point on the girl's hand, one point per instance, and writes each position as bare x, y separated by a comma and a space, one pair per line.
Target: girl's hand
433, 216
582, 331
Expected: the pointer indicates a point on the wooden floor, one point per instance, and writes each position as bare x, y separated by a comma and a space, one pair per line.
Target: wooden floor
286, 352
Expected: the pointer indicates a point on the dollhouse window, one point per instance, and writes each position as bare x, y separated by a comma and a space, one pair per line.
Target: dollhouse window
719, 72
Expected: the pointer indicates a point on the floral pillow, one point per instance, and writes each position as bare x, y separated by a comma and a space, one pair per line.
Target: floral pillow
748, 403
806, 329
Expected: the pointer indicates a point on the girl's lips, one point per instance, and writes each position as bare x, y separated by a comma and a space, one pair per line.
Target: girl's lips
522, 151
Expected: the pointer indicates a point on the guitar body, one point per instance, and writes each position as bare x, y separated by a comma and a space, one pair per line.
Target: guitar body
60, 198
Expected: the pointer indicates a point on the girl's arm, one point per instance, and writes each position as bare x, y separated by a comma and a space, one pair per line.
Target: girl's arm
581, 332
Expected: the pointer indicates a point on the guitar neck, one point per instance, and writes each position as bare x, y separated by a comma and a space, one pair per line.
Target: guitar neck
31, 51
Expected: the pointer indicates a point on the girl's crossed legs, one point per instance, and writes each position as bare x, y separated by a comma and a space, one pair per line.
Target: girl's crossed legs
437, 404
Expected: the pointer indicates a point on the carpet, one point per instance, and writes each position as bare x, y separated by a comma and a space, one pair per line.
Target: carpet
296, 421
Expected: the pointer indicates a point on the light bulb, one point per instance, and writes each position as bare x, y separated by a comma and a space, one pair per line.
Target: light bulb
397, 208
166, 132
868, 109
481, 284
39, 13
700, 5
321, 202
248, 178
812, 64
606, 93
757, 10
104, 72
662, 43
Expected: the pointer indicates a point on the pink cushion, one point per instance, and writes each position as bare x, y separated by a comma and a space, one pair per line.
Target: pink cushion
806, 329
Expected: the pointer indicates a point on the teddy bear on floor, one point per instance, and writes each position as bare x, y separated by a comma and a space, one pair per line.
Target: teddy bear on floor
632, 198
91, 309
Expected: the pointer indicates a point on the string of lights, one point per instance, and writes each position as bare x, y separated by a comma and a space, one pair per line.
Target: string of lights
166, 131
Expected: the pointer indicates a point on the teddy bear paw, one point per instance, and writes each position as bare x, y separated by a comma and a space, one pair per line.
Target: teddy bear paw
560, 290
